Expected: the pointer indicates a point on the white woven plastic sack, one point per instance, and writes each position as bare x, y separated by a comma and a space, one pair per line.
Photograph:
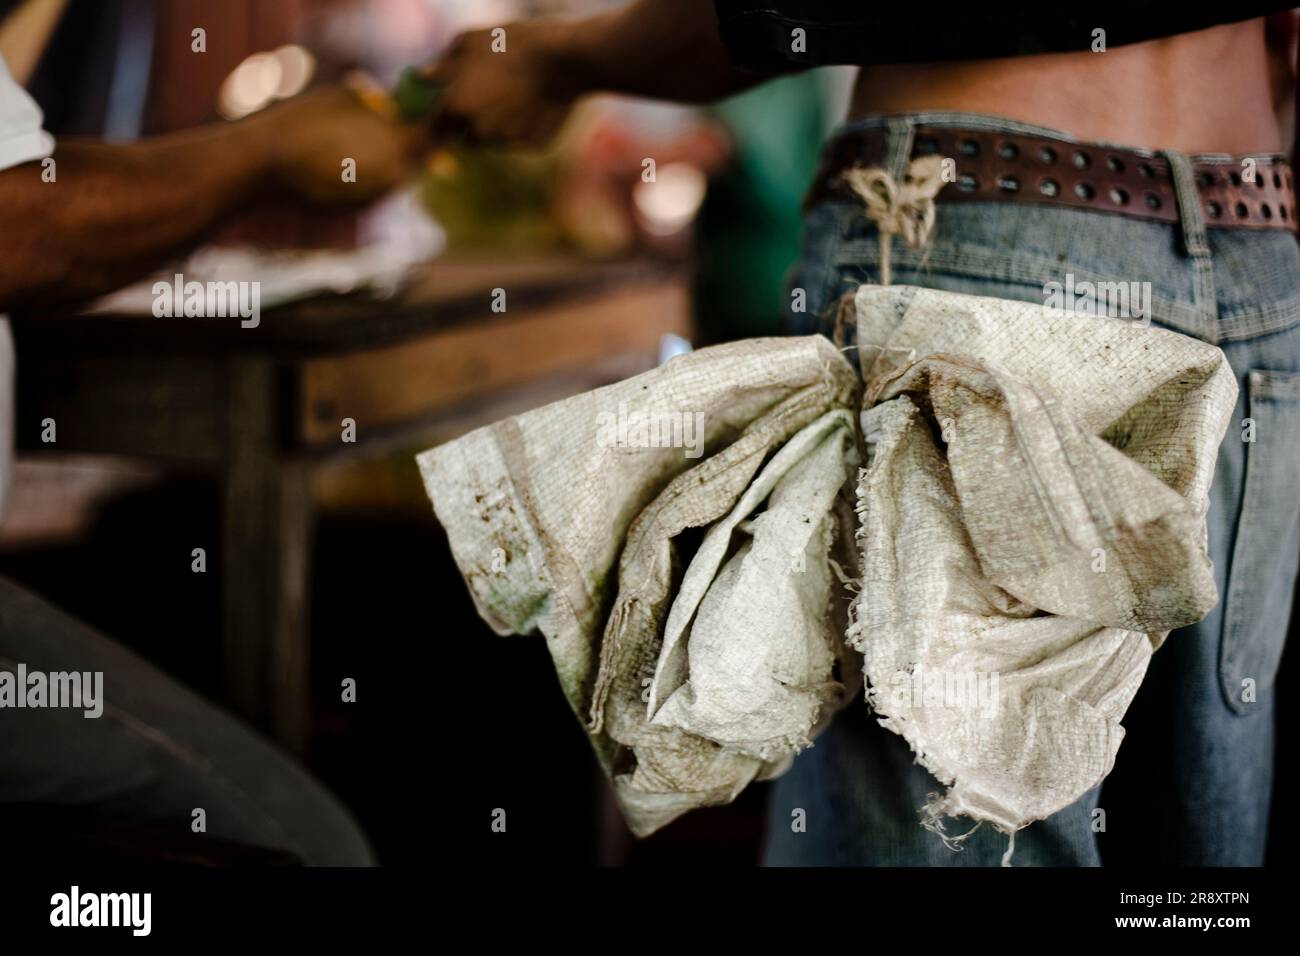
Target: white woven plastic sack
558, 528
1031, 523
749, 646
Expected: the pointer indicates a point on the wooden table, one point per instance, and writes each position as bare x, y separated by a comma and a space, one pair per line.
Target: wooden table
262, 409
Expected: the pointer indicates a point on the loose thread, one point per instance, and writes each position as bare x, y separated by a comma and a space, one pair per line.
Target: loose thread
1011, 848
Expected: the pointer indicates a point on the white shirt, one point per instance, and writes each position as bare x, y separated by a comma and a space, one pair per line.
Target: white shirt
22, 139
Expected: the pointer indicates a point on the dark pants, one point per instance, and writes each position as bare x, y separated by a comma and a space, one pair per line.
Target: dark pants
157, 753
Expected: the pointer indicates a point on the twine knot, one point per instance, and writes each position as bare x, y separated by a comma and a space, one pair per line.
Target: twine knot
905, 209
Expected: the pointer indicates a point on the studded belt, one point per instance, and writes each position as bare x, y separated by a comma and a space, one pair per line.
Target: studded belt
1242, 192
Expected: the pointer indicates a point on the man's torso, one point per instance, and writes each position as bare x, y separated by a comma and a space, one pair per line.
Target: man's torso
1200, 92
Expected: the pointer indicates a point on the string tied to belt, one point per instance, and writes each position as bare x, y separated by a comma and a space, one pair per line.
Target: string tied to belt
905, 209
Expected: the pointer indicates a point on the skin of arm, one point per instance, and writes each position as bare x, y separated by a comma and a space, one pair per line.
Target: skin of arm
115, 211
663, 49
111, 215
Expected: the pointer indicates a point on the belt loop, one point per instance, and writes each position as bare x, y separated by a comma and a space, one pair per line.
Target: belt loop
898, 147
1191, 216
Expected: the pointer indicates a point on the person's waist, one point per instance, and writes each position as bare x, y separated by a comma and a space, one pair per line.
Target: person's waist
994, 159
1199, 92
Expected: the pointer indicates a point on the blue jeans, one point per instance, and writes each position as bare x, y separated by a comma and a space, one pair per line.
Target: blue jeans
1193, 779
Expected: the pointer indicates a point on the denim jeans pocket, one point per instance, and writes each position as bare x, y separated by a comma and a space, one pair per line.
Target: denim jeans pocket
1266, 552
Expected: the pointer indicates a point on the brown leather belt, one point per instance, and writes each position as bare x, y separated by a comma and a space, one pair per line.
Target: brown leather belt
1011, 167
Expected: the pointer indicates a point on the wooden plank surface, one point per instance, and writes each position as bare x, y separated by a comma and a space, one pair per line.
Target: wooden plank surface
381, 388
123, 405
446, 292
265, 563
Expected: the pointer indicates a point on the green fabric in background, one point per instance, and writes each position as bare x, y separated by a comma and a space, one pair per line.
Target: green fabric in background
748, 230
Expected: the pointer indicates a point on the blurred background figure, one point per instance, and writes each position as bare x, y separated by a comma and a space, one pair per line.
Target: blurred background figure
700, 204
120, 69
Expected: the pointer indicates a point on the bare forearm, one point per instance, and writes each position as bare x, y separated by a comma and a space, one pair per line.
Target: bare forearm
115, 211
667, 49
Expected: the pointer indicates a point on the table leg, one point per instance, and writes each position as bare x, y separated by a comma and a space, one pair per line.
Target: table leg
266, 549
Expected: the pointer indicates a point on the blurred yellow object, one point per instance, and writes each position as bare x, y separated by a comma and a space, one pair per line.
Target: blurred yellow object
494, 198
377, 101
371, 93
442, 163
